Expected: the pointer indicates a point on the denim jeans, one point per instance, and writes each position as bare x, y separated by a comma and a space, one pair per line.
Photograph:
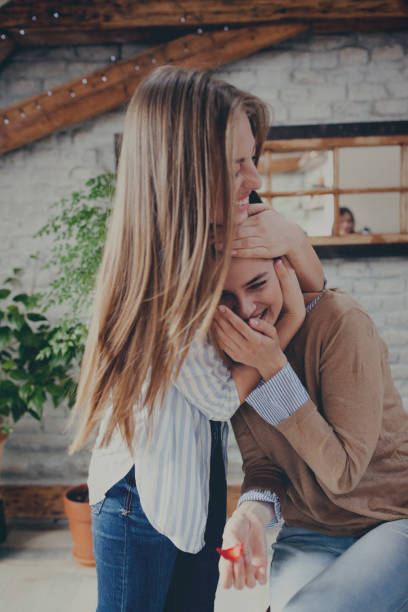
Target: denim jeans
313, 572
140, 569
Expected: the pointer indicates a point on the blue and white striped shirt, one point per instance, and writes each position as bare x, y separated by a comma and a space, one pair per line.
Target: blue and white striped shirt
172, 467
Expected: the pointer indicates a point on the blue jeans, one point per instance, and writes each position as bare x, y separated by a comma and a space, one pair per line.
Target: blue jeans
313, 572
140, 569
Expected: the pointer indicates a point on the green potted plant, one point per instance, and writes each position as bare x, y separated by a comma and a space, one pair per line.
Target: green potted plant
34, 367
78, 229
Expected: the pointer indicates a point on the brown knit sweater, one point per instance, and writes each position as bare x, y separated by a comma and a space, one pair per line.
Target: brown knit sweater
339, 464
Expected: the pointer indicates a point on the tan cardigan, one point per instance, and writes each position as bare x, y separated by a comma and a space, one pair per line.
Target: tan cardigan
339, 464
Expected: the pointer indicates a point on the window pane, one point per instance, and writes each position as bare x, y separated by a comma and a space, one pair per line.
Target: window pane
369, 167
296, 171
378, 212
314, 214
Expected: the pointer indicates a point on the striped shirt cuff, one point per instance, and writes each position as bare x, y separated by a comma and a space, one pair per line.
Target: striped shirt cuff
263, 495
279, 397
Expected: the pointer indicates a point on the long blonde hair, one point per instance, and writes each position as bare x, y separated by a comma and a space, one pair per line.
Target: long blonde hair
159, 282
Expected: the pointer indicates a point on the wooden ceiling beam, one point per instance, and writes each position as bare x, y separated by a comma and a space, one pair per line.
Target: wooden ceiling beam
79, 36
6, 49
124, 14
113, 86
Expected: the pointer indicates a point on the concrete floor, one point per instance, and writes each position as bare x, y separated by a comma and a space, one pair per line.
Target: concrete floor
38, 573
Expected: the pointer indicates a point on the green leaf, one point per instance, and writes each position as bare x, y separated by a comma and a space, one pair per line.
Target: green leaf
6, 428
36, 403
17, 271
19, 375
34, 316
6, 336
18, 409
9, 365
4, 293
15, 317
22, 297
26, 392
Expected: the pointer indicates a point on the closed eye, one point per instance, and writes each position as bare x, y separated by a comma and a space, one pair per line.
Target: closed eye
257, 285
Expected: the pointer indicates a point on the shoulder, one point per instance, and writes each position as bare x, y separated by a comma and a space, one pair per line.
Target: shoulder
338, 317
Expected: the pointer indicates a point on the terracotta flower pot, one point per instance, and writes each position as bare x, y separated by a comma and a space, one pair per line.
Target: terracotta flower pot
78, 512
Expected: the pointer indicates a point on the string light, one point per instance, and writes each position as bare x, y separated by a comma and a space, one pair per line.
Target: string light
137, 67
185, 48
113, 58
34, 18
72, 94
84, 81
153, 60
49, 93
56, 15
3, 36
200, 30
6, 121
22, 114
38, 106
22, 32
104, 78
226, 28
182, 19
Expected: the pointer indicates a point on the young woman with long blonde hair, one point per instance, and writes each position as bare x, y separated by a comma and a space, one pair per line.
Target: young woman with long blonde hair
151, 383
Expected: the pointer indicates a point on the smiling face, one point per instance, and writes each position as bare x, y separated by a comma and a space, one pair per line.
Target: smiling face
246, 175
252, 290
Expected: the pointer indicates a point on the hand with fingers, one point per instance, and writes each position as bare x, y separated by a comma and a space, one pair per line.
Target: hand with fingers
246, 527
293, 311
255, 344
263, 233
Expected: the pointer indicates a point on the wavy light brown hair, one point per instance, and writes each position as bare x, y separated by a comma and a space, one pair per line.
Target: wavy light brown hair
160, 281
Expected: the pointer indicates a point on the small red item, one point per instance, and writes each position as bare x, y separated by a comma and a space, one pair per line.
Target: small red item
232, 554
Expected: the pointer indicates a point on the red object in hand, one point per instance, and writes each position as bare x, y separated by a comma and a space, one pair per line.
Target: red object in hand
232, 554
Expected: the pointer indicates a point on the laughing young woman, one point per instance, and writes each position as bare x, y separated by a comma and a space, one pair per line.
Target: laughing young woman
151, 384
333, 462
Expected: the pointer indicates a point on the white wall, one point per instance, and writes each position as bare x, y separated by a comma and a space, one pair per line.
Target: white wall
321, 79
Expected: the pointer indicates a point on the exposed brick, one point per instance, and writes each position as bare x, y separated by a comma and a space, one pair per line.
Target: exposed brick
385, 108
305, 80
388, 53
366, 92
353, 56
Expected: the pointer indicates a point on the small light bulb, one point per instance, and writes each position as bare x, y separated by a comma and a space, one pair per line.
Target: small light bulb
104, 78
56, 15
49, 93
137, 67
72, 94
84, 81
200, 30
34, 18
182, 19
6, 121
22, 32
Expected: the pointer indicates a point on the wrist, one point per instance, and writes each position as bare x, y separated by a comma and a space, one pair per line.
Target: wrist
264, 511
268, 370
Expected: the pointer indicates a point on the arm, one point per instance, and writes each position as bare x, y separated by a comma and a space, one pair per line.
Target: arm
247, 524
265, 234
338, 439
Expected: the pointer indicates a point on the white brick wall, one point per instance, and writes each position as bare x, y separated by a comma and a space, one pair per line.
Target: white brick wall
321, 79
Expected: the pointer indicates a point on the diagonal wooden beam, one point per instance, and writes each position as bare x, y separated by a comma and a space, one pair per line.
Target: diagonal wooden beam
6, 49
112, 86
100, 14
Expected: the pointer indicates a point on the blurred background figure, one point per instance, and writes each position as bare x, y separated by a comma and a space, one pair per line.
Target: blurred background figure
347, 222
